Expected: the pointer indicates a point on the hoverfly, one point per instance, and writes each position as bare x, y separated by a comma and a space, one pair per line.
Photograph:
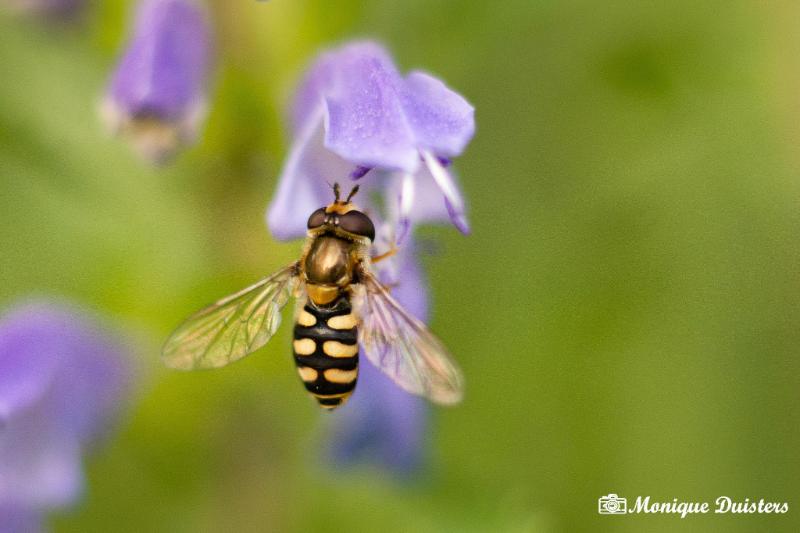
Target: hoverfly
340, 305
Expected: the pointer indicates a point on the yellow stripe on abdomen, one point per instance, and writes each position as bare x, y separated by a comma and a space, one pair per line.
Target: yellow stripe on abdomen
304, 346
342, 322
338, 349
335, 375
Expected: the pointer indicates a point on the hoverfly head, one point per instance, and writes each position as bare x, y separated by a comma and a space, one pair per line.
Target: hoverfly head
343, 214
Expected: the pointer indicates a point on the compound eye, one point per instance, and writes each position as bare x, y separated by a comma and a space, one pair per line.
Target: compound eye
358, 223
317, 218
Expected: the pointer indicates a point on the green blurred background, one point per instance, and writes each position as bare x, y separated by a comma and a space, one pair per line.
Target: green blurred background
626, 311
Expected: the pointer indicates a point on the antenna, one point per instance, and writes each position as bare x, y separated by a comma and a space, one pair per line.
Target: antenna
352, 193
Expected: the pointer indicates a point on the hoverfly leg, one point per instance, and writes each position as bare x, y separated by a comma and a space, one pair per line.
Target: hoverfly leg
392, 251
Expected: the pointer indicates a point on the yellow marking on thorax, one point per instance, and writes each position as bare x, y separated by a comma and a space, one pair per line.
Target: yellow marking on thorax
307, 373
342, 322
337, 349
336, 375
304, 346
306, 319
340, 208
321, 294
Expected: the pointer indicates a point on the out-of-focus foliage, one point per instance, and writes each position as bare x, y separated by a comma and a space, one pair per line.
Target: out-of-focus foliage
626, 311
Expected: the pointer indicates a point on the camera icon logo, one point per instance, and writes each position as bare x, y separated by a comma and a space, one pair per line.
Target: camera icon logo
612, 504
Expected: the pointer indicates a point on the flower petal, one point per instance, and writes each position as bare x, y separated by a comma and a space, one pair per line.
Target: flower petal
303, 183
366, 122
16, 519
359, 172
56, 354
163, 71
442, 120
309, 95
426, 204
40, 465
454, 201
406, 205
87, 393
30, 355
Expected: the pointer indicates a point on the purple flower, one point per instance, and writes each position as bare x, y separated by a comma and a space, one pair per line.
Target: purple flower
57, 9
157, 94
17, 520
61, 379
356, 117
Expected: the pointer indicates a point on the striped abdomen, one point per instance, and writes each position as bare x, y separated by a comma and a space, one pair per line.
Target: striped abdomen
326, 351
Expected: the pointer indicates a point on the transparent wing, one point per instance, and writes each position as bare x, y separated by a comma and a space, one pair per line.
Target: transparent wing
403, 347
232, 327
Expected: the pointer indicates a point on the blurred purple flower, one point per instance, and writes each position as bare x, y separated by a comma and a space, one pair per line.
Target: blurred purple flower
61, 380
17, 520
157, 94
57, 9
356, 117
